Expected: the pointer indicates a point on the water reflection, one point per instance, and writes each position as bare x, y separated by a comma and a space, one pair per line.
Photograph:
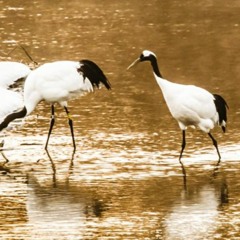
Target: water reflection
60, 208
125, 181
195, 215
100, 196
54, 167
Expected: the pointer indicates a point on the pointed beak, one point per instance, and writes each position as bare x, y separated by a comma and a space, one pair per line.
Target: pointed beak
134, 63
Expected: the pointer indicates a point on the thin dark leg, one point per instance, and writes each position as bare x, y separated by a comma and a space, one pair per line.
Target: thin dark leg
51, 126
183, 145
70, 122
216, 146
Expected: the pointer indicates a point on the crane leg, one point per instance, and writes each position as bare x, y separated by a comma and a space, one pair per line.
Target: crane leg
51, 126
216, 146
70, 122
183, 145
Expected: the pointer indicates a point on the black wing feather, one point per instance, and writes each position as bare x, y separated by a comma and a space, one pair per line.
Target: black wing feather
93, 72
221, 106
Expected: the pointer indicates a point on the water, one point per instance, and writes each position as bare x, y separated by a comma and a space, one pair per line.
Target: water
124, 181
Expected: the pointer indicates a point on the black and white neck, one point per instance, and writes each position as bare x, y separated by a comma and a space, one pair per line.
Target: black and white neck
150, 56
11, 117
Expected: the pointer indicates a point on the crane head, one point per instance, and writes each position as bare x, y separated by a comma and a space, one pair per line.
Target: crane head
146, 55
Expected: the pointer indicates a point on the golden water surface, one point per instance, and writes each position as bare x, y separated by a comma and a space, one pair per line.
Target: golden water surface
124, 181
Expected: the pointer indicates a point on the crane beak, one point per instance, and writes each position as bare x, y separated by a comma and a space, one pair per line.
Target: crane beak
134, 63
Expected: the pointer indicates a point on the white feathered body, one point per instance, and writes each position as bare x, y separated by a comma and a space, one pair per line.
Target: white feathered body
189, 105
55, 82
11, 72
11, 101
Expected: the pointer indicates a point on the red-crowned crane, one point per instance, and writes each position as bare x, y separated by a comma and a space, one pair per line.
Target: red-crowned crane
188, 104
57, 82
12, 74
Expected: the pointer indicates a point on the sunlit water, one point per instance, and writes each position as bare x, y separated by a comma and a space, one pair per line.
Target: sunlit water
124, 181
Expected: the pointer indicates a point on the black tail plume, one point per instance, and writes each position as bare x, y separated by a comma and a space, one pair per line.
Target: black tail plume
92, 71
22, 113
221, 107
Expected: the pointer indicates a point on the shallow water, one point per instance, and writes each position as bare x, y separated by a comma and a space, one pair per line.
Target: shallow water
124, 181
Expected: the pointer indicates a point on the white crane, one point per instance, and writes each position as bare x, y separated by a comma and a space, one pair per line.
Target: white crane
57, 82
188, 104
12, 74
